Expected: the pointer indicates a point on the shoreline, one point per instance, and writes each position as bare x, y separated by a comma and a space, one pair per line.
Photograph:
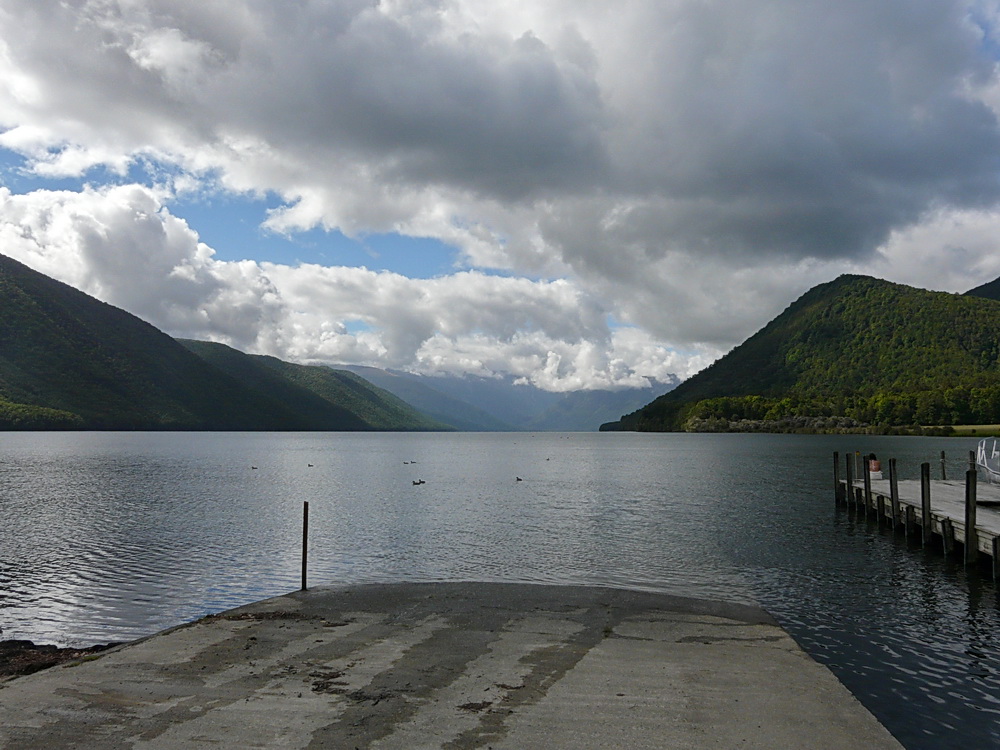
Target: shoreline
21, 657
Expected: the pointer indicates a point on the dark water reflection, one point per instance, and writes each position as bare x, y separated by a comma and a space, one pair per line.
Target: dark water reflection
114, 536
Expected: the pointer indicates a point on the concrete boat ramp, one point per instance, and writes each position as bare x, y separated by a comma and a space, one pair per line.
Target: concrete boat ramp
449, 665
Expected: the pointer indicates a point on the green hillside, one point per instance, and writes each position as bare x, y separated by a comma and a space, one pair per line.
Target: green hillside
321, 393
69, 361
855, 353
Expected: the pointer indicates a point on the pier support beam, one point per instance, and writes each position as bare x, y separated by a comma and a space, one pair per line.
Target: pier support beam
849, 488
971, 541
925, 503
867, 475
996, 558
894, 492
947, 536
836, 478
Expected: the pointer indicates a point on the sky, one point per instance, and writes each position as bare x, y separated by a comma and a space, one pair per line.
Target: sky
578, 194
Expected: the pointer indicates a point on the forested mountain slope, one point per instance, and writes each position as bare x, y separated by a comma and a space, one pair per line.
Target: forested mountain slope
69, 361
856, 351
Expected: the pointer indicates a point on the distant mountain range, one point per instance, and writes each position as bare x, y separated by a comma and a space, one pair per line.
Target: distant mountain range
854, 354
69, 361
498, 404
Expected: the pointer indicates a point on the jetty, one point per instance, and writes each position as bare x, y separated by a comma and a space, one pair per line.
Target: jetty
957, 516
449, 665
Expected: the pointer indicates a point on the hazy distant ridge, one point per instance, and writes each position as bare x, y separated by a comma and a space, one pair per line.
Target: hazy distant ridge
486, 404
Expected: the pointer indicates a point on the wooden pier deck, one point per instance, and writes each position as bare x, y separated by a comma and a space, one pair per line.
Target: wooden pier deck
943, 506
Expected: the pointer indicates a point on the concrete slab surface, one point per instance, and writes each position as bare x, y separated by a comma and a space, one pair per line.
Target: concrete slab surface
449, 665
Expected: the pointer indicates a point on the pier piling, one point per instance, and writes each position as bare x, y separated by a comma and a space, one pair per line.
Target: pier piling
971, 542
837, 489
894, 492
925, 504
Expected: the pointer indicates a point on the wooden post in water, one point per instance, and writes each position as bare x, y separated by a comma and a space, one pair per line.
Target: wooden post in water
836, 477
910, 522
972, 460
943, 475
305, 541
971, 541
996, 558
947, 536
849, 489
881, 510
867, 475
894, 492
925, 503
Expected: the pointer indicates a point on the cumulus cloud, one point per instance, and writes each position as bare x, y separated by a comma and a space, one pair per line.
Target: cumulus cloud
122, 245
687, 166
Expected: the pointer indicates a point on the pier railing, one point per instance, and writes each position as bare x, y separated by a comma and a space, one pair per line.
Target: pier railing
988, 459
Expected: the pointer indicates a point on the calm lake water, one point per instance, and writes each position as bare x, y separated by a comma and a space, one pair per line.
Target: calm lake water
112, 536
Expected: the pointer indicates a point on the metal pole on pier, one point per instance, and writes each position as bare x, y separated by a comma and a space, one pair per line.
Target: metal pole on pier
925, 503
305, 540
971, 541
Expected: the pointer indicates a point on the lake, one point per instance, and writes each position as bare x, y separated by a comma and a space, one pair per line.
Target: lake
113, 536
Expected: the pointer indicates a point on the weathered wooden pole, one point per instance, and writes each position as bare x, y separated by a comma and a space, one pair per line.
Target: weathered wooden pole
996, 558
971, 541
850, 480
894, 492
881, 510
836, 477
947, 536
867, 475
943, 475
972, 460
925, 504
910, 524
305, 541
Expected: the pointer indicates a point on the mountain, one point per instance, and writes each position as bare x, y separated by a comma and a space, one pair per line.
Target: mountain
69, 361
854, 353
415, 390
324, 394
989, 290
487, 404
585, 411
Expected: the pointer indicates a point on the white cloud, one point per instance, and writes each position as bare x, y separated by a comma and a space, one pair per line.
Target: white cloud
123, 246
688, 166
